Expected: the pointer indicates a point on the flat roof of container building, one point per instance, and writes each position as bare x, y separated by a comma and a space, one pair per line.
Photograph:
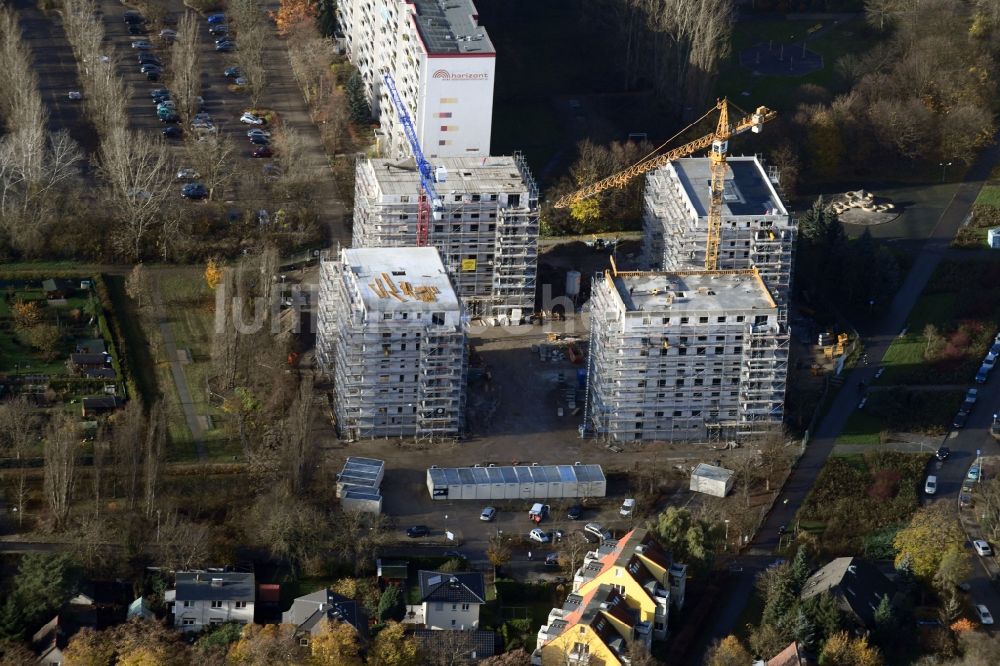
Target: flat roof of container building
360, 492
361, 471
453, 476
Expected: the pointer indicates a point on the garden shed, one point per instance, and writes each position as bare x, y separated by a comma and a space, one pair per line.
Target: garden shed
711, 480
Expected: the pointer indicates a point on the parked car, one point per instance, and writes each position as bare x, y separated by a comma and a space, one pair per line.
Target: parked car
231, 72
216, 18
258, 140
251, 119
455, 554
75, 95
863, 402
150, 67
538, 512
187, 174
218, 29
552, 560
595, 529
153, 75
168, 35
930, 486
628, 506
142, 45
262, 151
990, 361
959, 420
256, 131
984, 614
538, 535
983, 549
488, 514
942, 453
172, 132
136, 29
983, 374
225, 47
170, 118
240, 81
194, 191
879, 372
417, 531
973, 474
574, 512
160, 95
132, 16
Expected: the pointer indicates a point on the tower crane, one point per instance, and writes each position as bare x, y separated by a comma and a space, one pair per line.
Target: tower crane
718, 144
428, 198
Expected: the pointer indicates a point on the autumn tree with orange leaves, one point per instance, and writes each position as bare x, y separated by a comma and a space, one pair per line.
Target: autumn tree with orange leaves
291, 13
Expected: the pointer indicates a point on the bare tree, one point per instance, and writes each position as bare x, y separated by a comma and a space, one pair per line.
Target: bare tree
137, 285
185, 67
155, 443
246, 18
60, 467
18, 427
298, 439
137, 170
212, 157
128, 436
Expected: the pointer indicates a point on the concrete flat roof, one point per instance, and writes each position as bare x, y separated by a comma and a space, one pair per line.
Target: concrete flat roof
450, 27
692, 291
748, 190
418, 266
464, 174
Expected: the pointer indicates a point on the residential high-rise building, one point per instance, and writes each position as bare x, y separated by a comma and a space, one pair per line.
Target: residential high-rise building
684, 356
486, 232
391, 334
442, 62
757, 231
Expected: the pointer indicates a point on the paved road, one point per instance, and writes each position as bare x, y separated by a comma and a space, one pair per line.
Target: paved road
878, 336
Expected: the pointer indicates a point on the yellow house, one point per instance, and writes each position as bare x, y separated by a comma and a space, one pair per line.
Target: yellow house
592, 629
642, 572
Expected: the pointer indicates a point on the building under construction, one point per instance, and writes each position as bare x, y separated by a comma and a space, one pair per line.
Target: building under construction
757, 231
391, 334
691, 355
485, 226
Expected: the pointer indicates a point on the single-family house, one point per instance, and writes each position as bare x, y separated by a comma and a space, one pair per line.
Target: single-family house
790, 656
648, 578
457, 647
57, 289
308, 613
857, 586
451, 600
204, 598
91, 346
80, 362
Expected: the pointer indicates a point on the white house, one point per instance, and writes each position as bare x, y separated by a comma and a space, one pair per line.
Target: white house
206, 598
451, 600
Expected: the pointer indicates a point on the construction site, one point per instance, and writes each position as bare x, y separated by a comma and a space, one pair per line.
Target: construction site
684, 356
484, 223
756, 229
391, 333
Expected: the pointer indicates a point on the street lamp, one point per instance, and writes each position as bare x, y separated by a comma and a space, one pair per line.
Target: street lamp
727, 533
944, 168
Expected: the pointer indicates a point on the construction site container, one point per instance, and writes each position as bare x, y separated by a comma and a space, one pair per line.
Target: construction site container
521, 482
361, 473
365, 500
573, 283
711, 480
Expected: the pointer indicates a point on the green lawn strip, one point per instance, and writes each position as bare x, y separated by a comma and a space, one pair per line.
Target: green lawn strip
989, 196
901, 410
140, 359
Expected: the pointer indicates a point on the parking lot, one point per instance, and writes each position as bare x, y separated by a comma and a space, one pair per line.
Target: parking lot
57, 70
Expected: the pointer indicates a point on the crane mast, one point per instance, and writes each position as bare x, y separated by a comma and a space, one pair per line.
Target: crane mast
428, 198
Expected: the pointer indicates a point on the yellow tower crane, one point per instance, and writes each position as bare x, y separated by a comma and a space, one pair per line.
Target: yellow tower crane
718, 144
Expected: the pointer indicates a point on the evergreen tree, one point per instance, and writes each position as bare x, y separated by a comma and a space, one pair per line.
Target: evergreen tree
12, 620
804, 630
326, 17
357, 103
388, 603
800, 568
825, 615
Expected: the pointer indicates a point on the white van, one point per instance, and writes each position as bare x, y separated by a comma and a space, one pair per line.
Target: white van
628, 506
930, 487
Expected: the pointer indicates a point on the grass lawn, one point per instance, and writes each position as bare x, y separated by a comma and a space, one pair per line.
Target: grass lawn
901, 410
959, 293
782, 92
190, 310
985, 216
141, 365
